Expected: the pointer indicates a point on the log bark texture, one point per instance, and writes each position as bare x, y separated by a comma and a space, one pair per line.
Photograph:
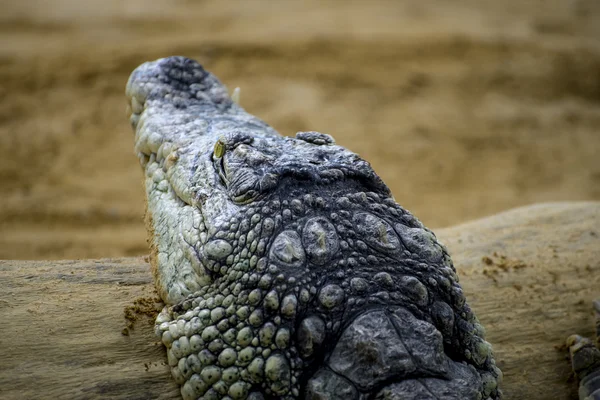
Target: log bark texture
530, 274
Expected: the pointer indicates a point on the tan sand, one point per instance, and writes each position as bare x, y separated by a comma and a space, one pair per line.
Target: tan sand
465, 108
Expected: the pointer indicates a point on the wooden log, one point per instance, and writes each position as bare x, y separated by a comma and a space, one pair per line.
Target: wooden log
63, 336
530, 274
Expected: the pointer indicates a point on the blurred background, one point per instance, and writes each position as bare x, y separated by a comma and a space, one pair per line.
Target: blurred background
465, 108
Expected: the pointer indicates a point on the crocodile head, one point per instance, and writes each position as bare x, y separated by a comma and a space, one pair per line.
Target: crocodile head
270, 251
209, 165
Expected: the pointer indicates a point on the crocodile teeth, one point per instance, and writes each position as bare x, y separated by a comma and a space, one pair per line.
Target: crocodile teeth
136, 105
134, 119
235, 96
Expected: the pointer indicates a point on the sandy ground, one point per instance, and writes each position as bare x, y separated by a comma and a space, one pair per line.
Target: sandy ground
465, 108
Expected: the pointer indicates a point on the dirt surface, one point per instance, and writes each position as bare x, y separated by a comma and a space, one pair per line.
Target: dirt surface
465, 108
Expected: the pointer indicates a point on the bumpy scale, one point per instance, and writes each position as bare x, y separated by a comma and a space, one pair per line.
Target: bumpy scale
585, 360
288, 269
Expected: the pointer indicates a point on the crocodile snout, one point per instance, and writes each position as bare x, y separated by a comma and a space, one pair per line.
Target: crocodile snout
176, 81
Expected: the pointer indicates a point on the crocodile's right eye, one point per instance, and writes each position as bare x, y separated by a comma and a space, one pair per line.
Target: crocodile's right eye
220, 148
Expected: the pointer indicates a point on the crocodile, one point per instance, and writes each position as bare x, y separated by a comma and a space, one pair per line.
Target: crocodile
585, 360
287, 268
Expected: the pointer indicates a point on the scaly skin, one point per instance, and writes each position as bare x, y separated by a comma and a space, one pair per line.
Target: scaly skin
585, 360
288, 269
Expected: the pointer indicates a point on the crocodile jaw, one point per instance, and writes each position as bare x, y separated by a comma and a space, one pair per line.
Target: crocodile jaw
172, 145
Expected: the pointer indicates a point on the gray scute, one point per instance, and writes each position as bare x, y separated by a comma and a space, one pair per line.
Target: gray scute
287, 249
370, 352
331, 296
463, 384
376, 232
376, 347
423, 341
320, 239
421, 242
310, 335
414, 289
317, 138
326, 385
218, 249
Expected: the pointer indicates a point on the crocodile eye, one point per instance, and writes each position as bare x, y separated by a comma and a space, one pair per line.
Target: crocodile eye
219, 150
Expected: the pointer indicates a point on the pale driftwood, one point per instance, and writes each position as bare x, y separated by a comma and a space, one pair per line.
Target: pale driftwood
62, 321
61, 332
538, 296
